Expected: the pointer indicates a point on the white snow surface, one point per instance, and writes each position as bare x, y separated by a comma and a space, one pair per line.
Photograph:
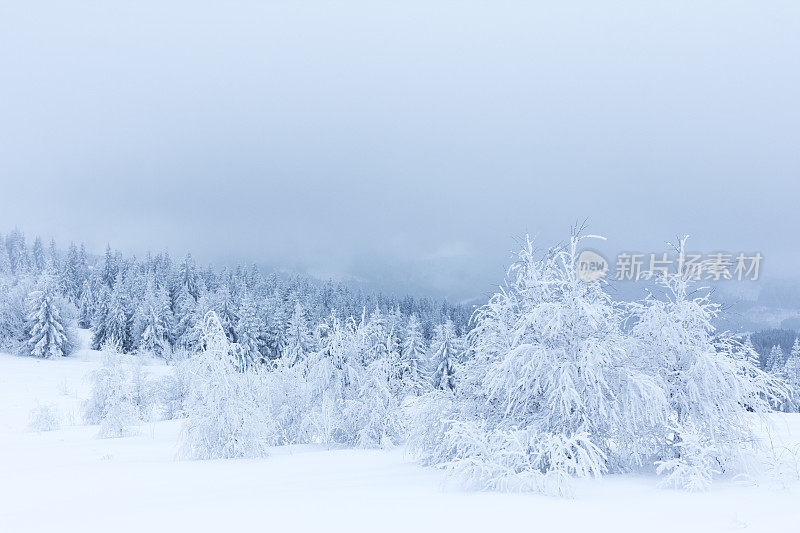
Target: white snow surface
70, 480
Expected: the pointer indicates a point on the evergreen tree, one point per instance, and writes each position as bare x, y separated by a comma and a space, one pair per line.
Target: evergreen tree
37, 256
298, 336
191, 328
17, 252
248, 329
47, 330
117, 320
775, 360
87, 305
227, 311
110, 268
151, 322
53, 259
5, 262
71, 278
413, 362
445, 356
750, 353
791, 373
189, 278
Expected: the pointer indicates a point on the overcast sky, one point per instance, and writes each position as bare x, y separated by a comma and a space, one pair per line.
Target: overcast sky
410, 142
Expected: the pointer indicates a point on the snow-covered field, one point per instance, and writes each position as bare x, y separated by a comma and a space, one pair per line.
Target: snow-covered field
70, 480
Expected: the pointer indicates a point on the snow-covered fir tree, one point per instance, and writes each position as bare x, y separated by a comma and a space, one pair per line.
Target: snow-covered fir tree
298, 338
775, 360
413, 362
249, 329
791, 373
47, 330
152, 322
444, 356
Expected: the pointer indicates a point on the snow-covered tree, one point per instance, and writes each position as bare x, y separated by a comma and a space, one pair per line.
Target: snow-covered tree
750, 353
775, 360
37, 256
226, 409
72, 276
47, 331
115, 402
14, 311
110, 268
152, 321
19, 262
413, 362
191, 324
791, 374
298, 338
249, 329
444, 356
551, 390
708, 388
5, 262
114, 320
188, 277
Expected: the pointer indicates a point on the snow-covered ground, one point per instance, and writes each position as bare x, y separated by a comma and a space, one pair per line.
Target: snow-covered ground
70, 480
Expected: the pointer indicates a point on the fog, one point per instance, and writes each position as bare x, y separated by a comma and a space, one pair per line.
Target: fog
405, 144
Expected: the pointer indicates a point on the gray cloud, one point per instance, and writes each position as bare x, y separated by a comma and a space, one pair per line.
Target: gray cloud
408, 143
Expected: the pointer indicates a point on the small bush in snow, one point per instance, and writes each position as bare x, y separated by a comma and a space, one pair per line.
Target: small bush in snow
712, 387
225, 406
118, 398
170, 392
45, 417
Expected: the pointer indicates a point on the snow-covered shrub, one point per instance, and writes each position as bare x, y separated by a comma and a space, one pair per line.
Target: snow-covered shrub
44, 417
375, 413
170, 391
713, 391
695, 463
118, 398
225, 406
551, 389
353, 388
286, 400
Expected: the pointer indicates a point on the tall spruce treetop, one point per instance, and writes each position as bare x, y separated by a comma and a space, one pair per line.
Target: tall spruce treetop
188, 276
37, 256
53, 258
17, 252
110, 267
